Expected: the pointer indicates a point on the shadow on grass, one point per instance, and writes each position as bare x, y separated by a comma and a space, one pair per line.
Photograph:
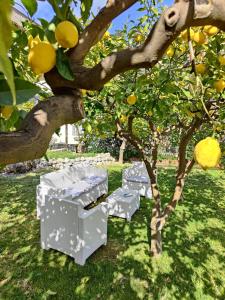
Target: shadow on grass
191, 267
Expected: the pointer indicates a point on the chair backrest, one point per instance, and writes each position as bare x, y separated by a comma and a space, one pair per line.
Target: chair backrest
56, 180
75, 173
139, 169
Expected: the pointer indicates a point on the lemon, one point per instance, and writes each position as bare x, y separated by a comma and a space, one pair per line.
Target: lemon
170, 51
184, 34
211, 30
131, 100
106, 35
207, 153
89, 128
139, 38
159, 129
123, 118
201, 69
66, 34
33, 41
7, 111
221, 59
199, 38
219, 85
83, 92
150, 113
42, 58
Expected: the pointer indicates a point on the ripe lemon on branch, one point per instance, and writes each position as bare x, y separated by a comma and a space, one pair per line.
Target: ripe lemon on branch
184, 34
221, 59
219, 85
211, 30
200, 68
200, 38
123, 119
170, 51
66, 34
132, 99
42, 58
207, 153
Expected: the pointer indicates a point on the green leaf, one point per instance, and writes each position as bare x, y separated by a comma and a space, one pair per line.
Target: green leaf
31, 6
5, 43
74, 20
63, 66
85, 9
25, 91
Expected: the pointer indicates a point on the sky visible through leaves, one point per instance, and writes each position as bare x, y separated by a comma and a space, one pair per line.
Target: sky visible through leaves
45, 11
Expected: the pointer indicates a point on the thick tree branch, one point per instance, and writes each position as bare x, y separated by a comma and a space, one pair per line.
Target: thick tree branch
175, 19
94, 32
32, 140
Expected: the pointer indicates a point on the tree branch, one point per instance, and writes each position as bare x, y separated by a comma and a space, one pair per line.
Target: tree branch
94, 32
175, 19
32, 140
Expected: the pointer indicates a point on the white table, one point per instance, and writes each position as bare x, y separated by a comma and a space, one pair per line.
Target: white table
123, 203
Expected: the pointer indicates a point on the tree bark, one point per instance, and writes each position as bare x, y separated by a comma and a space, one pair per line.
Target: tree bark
32, 140
122, 149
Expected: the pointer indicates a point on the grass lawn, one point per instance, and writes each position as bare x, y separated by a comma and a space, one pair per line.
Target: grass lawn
192, 265
68, 154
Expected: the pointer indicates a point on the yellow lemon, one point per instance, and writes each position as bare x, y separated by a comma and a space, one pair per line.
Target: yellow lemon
150, 113
33, 41
159, 129
170, 51
211, 30
221, 59
219, 85
42, 58
88, 128
83, 92
200, 69
199, 37
123, 118
106, 35
131, 100
66, 34
7, 111
184, 34
139, 38
207, 153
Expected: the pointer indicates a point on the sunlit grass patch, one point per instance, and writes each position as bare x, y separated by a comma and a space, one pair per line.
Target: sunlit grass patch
192, 265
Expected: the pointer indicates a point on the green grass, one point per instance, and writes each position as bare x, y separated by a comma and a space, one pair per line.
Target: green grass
67, 154
192, 265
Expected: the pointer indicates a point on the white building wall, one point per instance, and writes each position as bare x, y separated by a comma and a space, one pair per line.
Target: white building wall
74, 135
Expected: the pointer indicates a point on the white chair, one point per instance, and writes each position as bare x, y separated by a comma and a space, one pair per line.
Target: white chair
68, 228
83, 184
136, 178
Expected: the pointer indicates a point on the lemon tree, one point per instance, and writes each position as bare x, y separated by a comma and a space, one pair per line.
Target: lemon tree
168, 107
154, 82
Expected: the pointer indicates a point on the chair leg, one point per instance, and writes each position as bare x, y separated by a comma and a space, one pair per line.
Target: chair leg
80, 262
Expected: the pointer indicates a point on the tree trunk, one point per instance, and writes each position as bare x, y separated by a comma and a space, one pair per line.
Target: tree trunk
122, 149
156, 239
156, 242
